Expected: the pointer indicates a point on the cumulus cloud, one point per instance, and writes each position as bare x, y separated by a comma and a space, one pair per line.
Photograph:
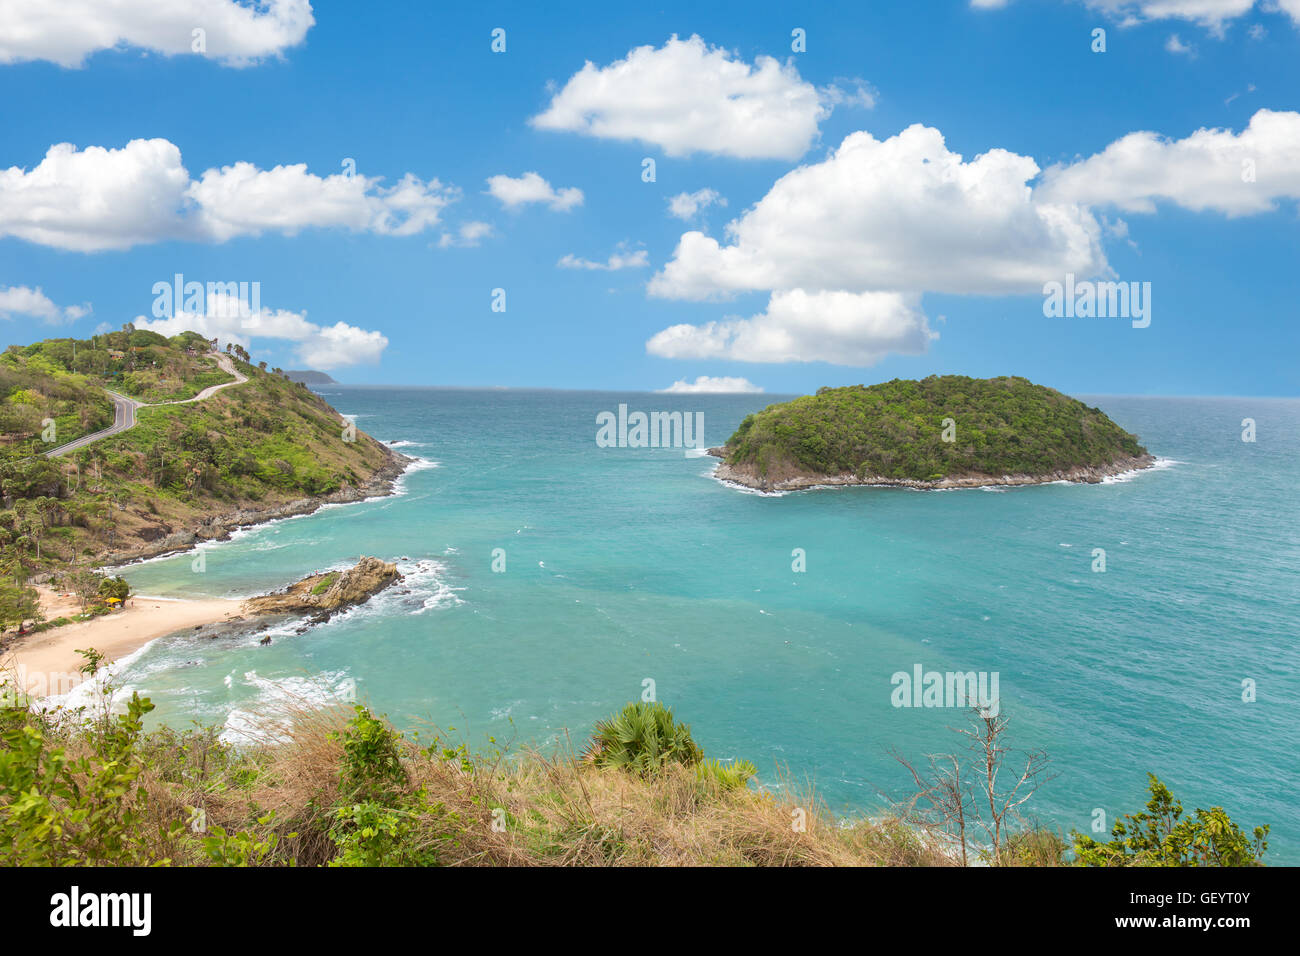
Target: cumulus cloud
621, 258
469, 234
95, 198
1176, 46
685, 206
711, 385
842, 328
231, 319
1213, 15
242, 200
902, 214
19, 301
531, 188
686, 97
66, 32
1236, 174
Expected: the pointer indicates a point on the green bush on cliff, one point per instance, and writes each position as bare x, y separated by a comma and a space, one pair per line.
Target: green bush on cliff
896, 430
1162, 836
643, 738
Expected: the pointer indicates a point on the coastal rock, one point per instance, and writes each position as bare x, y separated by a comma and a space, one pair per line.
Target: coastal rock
323, 595
792, 480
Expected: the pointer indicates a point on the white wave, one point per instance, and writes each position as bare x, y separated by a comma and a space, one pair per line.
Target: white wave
1160, 464
91, 692
415, 464
403, 443
270, 717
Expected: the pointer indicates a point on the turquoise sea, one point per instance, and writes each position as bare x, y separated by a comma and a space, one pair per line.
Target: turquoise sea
624, 565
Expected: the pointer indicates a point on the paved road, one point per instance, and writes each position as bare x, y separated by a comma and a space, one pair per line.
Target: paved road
124, 408
227, 366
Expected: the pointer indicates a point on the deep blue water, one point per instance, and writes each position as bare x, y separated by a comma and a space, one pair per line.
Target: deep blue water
630, 564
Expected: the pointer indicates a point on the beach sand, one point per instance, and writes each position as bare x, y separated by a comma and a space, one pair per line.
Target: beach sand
49, 660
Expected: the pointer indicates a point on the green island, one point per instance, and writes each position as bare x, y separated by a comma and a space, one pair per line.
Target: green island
944, 431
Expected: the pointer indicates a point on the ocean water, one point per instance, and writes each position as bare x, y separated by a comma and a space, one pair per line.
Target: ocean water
630, 565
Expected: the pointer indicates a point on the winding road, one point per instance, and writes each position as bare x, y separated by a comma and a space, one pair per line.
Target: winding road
124, 408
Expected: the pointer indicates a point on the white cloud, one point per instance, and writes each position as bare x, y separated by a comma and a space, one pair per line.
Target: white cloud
686, 97
231, 319
1176, 45
19, 301
902, 214
842, 328
860, 94
1213, 15
711, 385
1236, 174
96, 198
469, 235
620, 258
531, 188
686, 205
67, 31
242, 200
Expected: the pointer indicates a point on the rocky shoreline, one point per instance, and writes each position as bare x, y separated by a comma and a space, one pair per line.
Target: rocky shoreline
220, 527
797, 481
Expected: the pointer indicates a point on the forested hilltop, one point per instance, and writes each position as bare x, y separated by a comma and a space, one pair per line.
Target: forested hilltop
184, 472
941, 431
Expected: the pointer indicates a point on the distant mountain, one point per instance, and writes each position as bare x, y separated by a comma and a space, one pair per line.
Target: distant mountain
309, 377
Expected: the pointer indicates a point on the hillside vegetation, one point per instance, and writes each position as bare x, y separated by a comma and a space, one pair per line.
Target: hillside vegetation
264, 443
900, 430
346, 789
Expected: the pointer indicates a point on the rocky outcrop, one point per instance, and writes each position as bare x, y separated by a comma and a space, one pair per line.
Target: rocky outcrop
748, 476
323, 595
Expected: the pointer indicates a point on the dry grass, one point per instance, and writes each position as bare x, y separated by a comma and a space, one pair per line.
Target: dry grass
532, 809
522, 809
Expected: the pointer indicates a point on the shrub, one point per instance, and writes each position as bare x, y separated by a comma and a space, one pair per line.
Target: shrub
642, 738
1160, 836
57, 809
372, 765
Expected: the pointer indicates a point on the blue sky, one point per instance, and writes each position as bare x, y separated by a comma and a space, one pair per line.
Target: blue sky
866, 265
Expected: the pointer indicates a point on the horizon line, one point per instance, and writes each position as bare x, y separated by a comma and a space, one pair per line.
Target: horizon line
643, 391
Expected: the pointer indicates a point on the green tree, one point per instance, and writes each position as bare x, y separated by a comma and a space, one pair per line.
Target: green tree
1162, 836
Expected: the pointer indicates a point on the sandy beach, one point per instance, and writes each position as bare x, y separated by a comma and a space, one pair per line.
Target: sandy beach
49, 663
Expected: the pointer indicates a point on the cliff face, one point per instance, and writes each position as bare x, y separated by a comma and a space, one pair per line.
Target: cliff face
330, 592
